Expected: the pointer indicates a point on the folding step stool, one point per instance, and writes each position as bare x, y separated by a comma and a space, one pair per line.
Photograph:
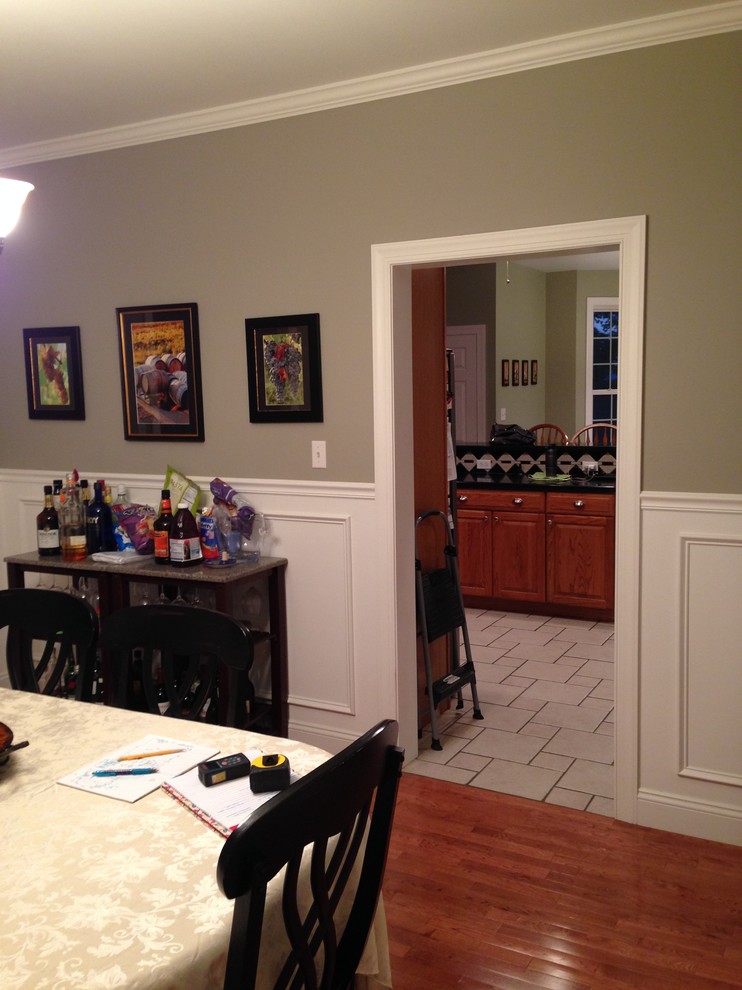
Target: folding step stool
440, 611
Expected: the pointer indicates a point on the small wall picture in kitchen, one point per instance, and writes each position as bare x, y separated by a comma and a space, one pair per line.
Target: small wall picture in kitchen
524, 372
160, 372
505, 373
534, 372
284, 372
515, 372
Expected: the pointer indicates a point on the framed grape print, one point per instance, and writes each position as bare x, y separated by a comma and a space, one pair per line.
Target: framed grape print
515, 376
54, 373
534, 372
284, 373
160, 372
524, 372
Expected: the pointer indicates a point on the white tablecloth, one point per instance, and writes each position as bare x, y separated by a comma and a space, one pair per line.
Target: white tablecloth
100, 893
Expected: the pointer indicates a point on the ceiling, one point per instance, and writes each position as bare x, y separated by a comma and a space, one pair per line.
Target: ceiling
82, 75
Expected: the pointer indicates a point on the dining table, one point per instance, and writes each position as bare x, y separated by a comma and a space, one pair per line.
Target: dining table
101, 893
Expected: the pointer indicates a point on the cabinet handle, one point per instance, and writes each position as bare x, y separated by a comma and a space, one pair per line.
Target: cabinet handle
496, 519
517, 501
578, 503
463, 498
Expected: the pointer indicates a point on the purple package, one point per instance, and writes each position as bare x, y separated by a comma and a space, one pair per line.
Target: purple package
243, 519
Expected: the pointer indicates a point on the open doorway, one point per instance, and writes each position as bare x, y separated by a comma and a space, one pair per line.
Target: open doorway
391, 267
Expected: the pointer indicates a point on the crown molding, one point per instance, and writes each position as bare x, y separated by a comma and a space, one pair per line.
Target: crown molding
666, 28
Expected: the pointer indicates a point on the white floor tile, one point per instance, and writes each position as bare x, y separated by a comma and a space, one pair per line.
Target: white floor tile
439, 772
567, 799
509, 778
591, 778
566, 694
537, 670
569, 716
583, 745
506, 745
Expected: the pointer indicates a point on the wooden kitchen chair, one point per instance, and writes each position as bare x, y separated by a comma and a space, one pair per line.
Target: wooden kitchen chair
180, 661
546, 433
595, 435
326, 814
51, 644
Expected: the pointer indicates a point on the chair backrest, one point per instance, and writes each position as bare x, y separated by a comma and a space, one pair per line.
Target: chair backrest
327, 810
48, 633
546, 433
189, 662
595, 435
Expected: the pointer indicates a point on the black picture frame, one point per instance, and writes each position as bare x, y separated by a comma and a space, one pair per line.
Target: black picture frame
524, 372
284, 370
534, 372
505, 377
160, 364
515, 372
54, 373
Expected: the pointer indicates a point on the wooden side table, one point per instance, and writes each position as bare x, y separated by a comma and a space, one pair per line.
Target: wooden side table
114, 587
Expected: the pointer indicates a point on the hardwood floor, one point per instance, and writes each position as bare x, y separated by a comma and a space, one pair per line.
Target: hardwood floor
485, 890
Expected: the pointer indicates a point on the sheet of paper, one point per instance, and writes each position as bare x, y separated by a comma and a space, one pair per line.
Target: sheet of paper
227, 804
132, 787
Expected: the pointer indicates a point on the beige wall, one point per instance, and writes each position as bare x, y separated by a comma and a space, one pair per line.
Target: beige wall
278, 218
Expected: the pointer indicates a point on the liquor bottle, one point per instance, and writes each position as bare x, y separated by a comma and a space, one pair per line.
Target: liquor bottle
99, 523
73, 522
47, 527
161, 529
185, 545
96, 689
163, 702
57, 493
85, 492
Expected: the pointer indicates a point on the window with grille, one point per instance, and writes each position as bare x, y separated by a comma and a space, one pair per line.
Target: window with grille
601, 387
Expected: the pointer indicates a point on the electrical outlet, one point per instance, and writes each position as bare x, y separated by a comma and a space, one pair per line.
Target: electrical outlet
319, 454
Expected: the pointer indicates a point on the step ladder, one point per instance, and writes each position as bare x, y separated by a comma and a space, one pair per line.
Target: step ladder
440, 612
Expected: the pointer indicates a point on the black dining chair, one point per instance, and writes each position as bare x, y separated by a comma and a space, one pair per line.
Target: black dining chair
327, 810
51, 644
180, 661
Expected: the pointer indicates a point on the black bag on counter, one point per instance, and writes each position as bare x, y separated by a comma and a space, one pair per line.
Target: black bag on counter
511, 434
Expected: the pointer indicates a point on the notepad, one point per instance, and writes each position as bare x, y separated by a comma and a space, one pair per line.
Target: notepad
224, 806
132, 788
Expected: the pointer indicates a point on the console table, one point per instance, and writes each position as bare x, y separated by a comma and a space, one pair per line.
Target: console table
114, 587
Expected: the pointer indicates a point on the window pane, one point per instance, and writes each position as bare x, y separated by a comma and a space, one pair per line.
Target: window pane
601, 408
602, 351
600, 376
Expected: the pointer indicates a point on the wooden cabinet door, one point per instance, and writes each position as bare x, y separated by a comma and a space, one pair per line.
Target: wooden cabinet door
475, 551
580, 560
518, 556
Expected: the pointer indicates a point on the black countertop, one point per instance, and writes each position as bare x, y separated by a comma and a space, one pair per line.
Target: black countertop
484, 481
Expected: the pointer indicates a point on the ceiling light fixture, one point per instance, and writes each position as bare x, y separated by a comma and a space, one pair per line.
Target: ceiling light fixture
13, 194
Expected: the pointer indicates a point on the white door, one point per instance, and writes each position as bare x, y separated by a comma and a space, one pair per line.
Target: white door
468, 346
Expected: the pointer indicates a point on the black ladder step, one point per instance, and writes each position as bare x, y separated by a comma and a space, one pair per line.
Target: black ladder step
453, 682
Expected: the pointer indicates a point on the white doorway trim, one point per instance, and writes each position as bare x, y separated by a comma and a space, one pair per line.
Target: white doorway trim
392, 378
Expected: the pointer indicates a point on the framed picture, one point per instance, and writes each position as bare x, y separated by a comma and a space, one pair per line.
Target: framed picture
54, 373
160, 372
505, 376
534, 372
284, 374
516, 372
524, 372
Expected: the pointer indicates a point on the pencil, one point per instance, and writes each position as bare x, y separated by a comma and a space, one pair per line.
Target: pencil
146, 756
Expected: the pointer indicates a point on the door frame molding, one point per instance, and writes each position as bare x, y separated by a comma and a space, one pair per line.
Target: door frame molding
391, 265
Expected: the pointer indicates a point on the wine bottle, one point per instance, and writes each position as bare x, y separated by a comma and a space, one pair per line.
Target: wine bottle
161, 529
47, 527
73, 522
185, 545
99, 523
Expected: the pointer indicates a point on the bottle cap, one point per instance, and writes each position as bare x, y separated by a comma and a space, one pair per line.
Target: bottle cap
47, 489
165, 493
182, 505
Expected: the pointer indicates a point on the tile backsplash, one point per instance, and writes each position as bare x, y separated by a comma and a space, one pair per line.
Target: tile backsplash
515, 459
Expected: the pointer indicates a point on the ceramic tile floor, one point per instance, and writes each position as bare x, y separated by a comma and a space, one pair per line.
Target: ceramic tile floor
545, 689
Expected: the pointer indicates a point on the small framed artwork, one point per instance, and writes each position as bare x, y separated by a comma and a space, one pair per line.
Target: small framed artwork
505, 372
524, 372
54, 373
160, 372
515, 372
534, 372
284, 374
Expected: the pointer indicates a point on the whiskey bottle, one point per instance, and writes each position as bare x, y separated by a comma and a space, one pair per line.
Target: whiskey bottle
73, 522
47, 527
185, 545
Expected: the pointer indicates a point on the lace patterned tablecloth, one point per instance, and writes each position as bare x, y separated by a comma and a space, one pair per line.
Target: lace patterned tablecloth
99, 893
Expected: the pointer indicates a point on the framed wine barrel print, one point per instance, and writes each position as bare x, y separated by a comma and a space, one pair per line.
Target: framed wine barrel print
54, 373
161, 372
284, 374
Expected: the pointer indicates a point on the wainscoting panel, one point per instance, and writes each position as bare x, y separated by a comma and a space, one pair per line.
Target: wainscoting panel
690, 770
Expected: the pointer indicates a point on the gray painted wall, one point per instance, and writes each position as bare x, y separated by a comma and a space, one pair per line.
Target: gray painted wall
278, 218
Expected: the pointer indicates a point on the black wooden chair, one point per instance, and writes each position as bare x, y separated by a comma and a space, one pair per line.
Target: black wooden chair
52, 638
328, 809
180, 661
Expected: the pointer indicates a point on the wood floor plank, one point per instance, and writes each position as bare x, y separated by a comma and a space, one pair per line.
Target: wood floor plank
485, 891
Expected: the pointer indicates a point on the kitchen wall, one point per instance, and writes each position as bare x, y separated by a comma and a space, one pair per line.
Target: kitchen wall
279, 218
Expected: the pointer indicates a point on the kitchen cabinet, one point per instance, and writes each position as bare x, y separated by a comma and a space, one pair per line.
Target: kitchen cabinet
580, 549
537, 551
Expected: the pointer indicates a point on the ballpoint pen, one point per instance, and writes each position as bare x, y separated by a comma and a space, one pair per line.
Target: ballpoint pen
123, 773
